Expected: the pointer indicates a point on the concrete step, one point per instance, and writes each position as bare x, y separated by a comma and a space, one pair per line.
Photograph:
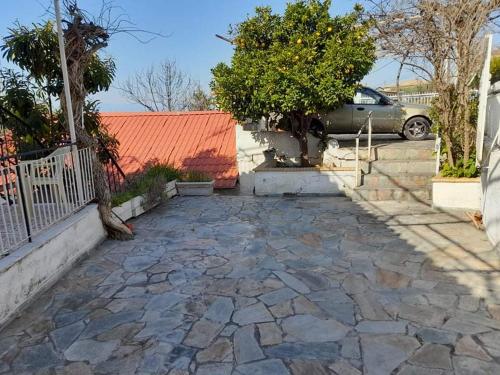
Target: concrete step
402, 167
363, 165
408, 181
390, 194
388, 152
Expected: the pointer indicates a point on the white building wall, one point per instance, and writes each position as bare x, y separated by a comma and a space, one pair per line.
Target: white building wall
490, 177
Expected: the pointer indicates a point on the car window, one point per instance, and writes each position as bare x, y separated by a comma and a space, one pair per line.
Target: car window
364, 96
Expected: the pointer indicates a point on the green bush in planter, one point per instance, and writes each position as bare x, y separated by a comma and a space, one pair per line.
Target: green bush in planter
149, 182
195, 176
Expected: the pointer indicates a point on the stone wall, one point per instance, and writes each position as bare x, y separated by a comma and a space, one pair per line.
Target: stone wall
251, 141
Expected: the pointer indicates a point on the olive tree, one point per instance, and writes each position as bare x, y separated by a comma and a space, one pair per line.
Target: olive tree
294, 65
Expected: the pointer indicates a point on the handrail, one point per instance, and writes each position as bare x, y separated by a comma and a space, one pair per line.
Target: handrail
437, 150
368, 121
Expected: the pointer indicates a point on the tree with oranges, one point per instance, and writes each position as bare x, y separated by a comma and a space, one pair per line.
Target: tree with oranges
294, 65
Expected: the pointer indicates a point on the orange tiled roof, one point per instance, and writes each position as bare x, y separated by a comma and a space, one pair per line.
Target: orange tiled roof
203, 141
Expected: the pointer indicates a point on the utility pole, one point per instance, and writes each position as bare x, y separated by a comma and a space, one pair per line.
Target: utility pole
64, 67
69, 104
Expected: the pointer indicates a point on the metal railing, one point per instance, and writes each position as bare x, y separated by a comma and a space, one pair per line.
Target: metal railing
437, 150
415, 98
36, 194
368, 122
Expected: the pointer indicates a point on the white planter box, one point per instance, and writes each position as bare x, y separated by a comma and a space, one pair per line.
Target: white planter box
303, 181
135, 206
456, 193
195, 188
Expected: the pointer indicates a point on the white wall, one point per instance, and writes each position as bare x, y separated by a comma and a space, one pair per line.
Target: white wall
251, 143
490, 177
456, 194
279, 181
36, 266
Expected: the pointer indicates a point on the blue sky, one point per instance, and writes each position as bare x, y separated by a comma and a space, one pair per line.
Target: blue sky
190, 26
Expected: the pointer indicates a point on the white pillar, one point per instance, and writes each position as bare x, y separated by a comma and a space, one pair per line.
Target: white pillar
64, 67
69, 105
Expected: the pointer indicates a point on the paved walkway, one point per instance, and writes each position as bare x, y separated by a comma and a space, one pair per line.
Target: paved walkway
256, 286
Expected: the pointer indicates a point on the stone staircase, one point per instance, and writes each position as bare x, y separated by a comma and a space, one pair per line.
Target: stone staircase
399, 171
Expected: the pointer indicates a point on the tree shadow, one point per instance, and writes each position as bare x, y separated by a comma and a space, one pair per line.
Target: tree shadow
213, 162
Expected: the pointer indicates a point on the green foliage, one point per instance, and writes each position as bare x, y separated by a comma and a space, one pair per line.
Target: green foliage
195, 176
455, 137
31, 94
302, 61
35, 50
22, 97
150, 183
294, 65
461, 169
495, 69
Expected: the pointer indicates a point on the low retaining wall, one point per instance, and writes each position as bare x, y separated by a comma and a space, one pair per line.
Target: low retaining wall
456, 193
38, 265
252, 140
135, 206
303, 181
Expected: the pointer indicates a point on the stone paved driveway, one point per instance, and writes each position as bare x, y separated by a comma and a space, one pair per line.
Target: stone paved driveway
251, 286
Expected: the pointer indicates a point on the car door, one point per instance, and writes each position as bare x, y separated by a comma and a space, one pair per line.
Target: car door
367, 100
338, 121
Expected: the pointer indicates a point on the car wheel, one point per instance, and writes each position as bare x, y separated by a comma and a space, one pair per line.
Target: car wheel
417, 128
402, 135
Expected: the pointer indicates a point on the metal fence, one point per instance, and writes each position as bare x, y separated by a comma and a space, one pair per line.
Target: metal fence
415, 98
35, 194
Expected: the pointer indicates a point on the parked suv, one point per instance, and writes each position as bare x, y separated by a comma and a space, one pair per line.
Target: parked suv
410, 121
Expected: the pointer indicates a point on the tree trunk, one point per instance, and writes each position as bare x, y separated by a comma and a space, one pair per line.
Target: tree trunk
467, 138
449, 150
300, 133
115, 228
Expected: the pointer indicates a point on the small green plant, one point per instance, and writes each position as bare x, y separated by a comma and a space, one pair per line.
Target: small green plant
495, 69
195, 176
150, 183
461, 169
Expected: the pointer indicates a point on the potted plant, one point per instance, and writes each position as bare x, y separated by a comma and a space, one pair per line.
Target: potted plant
195, 183
458, 183
269, 155
457, 187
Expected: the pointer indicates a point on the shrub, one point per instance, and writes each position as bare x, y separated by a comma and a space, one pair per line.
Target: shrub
495, 69
195, 176
150, 183
461, 169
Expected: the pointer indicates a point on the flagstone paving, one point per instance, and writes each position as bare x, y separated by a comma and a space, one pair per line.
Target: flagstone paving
243, 285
